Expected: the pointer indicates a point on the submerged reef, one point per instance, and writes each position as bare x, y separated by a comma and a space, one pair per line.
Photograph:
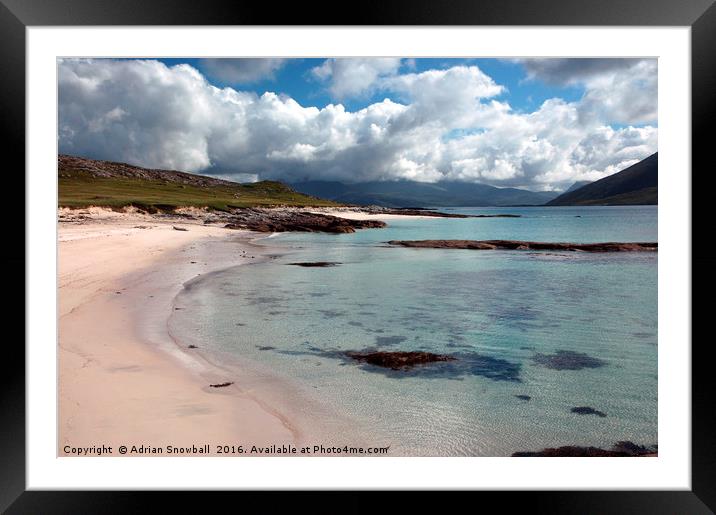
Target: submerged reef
398, 360
587, 410
402, 364
567, 360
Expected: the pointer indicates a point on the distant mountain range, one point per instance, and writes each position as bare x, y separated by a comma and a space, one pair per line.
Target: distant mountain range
421, 194
635, 185
85, 182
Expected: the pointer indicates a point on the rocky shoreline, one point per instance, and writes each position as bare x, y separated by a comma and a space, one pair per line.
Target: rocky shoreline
624, 449
274, 220
282, 219
265, 220
527, 245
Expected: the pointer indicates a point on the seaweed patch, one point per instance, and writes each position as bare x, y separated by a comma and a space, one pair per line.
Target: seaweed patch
567, 360
587, 410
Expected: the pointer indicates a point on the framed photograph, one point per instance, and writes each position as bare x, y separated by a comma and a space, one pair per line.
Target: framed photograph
425, 250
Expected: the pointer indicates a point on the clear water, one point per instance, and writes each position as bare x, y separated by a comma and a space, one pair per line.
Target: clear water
502, 314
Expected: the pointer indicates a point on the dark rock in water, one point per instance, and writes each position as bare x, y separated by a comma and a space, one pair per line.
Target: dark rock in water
526, 245
567, 360
398, 360
495, 216
631, 447
265, 347
586, 410
400, 365
179, 228
221, 385
421, 211
620, 449
311, 264
192, 347
523, 397
275, 220
414, 211
439, 214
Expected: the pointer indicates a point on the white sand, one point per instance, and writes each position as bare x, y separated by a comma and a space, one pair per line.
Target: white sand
360, 215
120, 385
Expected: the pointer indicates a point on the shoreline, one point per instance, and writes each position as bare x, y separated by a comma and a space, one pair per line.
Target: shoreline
126, 378
120, 384
129, 380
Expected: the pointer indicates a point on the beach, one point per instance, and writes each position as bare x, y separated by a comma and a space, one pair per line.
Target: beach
125, 379
175, 331
119, 383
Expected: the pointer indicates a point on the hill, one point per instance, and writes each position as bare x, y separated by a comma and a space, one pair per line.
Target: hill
87, 182
577, 185
635, 185
421, 194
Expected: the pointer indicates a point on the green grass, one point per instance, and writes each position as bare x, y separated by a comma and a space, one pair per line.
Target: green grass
642, 197
79, 189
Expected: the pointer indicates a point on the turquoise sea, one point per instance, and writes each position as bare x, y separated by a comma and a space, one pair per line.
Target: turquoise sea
560, 329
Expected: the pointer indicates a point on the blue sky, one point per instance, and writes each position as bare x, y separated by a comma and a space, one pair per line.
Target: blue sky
295, 80
539, 124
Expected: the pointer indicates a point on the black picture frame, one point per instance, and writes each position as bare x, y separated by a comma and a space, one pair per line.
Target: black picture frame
17, 15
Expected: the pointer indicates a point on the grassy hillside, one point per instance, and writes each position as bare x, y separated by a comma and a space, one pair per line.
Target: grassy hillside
85, 182
635, 185
642, 197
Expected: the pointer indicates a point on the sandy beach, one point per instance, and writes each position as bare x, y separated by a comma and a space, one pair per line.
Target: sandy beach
123, 377
356, 214
119, 385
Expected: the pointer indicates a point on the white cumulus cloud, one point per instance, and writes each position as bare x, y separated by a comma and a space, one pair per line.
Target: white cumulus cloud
616, 90
354, 76
432, 125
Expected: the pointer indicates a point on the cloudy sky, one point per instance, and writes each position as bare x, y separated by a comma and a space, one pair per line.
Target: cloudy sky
539, 124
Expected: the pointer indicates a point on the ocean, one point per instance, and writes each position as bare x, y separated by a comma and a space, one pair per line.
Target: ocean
534, 334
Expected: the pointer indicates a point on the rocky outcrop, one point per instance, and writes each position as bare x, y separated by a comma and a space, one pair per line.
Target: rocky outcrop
527, 245
277, 220
620, 449
398, 360
315, 264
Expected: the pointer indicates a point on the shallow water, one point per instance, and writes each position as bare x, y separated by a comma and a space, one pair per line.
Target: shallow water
566, 329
